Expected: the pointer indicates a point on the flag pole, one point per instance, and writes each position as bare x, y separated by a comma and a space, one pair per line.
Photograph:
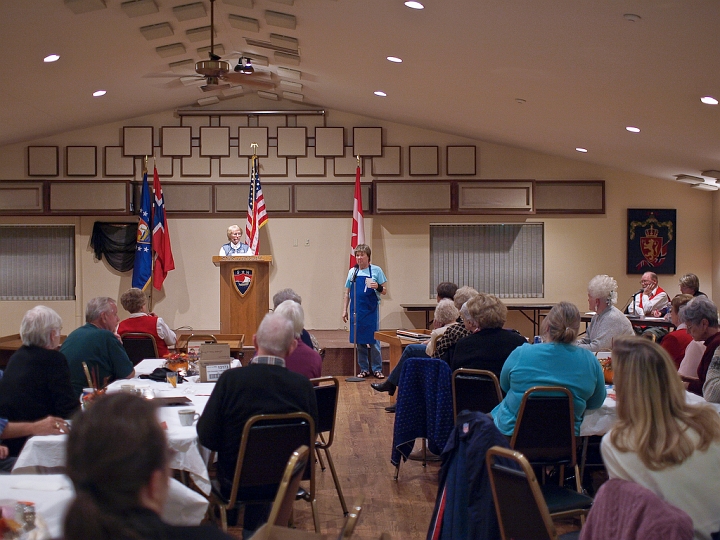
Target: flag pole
152, 257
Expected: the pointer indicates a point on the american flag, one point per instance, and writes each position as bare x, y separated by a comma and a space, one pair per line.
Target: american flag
256, 214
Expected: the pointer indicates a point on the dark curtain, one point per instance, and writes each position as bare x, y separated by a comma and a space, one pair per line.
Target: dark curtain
117, 242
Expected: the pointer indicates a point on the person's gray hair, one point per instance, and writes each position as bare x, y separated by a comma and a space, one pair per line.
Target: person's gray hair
445, 312
293, 311
275, 335
97, 306
285, 294
603, 287
700, 308
462, 295
38, 325
691, 281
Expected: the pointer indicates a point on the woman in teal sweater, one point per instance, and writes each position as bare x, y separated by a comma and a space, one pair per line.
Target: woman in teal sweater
556, 362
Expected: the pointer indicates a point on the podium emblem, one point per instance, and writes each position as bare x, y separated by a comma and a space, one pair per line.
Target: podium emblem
242, 277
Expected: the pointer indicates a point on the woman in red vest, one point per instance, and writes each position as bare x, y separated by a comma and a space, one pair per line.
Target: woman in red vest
134, 301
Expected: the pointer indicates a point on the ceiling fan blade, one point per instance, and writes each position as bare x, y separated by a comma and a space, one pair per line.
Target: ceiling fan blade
249, 80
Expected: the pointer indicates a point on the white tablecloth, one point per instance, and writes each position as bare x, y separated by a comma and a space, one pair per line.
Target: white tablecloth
53, 493
599, 421
47, 453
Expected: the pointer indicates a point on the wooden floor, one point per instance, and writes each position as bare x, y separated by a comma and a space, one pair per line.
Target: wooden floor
361, 453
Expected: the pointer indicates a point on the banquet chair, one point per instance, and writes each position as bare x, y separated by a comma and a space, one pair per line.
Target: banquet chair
475, 390
268, 441
545, 434
327, 391
519, 503
139, 346
282, 507
352, 518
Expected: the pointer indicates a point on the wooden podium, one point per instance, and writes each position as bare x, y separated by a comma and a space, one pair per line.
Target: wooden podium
244, 293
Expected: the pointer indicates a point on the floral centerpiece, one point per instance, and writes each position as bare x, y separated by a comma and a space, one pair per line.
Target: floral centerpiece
176, 361
606, 364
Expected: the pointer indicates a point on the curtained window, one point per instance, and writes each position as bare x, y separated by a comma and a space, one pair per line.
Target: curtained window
37, 262
502, 259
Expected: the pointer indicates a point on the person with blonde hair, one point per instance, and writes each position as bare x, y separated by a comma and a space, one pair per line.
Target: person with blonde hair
608, 321
555, 362
235, 247
660, 441
489, 344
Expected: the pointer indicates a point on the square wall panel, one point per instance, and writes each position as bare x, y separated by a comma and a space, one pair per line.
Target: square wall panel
292, 141
329, 141
310, 165
137, 141
116, 164
176, 140
81, 160
249, 135
215, 141
234, 165
389, 164
367, 141
195, 165
347, 165
164, 164
43, 161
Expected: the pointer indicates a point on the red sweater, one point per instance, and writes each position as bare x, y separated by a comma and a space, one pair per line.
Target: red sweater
675, 343
147, 324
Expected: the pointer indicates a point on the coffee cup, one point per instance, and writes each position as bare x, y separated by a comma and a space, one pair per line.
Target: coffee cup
187, 416
127, 387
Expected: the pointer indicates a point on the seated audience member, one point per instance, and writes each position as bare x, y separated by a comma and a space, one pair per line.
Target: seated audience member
676, 342
701, 322
303, 360
50, 425
660, 441
445, 315
445, 289
689, 284
555, 362
234, 247
608, 321
445, 345
135, 302
97, 344
488, 345
117, 459
289, 294
653, 300
36, 382
265, 386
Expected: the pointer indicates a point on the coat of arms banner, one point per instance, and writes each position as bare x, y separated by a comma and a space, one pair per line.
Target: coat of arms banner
651, 241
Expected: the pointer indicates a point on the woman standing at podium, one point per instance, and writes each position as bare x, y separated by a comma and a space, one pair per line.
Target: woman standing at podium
363, 287
234, 247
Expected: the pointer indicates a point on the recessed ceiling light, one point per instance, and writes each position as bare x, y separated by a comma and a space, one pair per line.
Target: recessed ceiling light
583, 150
632, 17
380, 93
414, 5
51, 58
708, 100
633, 129
99, 93
395, 59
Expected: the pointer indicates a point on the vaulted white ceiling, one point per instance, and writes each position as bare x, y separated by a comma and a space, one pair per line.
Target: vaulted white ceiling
545, 75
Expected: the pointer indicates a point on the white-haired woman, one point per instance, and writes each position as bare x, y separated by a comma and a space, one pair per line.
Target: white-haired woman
660, 441
235, 246
608, 321
303, 360
36, 382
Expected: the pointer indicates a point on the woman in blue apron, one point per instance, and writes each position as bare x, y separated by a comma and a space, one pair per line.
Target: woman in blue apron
363, 287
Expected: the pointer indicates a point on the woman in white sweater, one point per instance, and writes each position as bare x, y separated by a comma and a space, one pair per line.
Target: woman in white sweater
660, 441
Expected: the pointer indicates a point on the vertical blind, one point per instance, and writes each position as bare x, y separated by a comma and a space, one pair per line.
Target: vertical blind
504, 260
37, 262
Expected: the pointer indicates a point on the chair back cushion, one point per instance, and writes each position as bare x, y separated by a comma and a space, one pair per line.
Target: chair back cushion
545, 430
474, 393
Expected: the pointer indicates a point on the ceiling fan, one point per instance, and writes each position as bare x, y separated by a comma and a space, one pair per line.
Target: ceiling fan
218, 73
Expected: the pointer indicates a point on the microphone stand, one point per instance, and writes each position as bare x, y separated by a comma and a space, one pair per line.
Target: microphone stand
354, 319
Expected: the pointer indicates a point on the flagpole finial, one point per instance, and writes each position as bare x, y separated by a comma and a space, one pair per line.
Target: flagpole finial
254, 147
358, 160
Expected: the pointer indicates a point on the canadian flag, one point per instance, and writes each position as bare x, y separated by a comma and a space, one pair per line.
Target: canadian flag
358, 227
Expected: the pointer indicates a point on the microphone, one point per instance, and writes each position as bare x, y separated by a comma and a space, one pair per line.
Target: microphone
357, 269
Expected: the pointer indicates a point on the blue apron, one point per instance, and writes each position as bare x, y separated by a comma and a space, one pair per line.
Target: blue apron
366, 307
